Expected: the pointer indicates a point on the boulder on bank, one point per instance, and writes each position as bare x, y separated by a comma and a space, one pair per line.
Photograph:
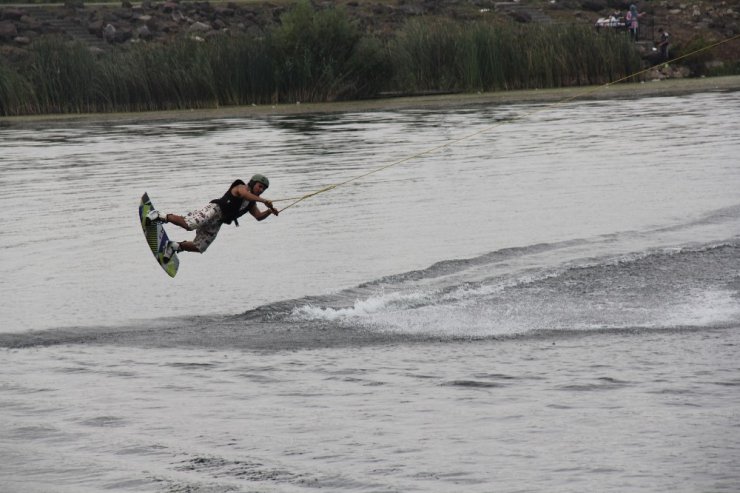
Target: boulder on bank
199, 27
96, 28
109, 33
11, 14
8, 31
665, 71
144, 33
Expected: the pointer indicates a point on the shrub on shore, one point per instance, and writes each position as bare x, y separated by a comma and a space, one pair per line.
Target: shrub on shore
313, 56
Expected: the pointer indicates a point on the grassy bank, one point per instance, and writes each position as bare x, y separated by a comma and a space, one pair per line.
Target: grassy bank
312, 56
672, 87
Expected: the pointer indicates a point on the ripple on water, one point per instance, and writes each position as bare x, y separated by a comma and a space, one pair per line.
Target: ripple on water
601, 384
105, 422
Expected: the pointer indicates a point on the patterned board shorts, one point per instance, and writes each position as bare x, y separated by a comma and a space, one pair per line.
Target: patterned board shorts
206, 222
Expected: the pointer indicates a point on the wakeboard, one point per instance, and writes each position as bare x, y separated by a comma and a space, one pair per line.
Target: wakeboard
156, 238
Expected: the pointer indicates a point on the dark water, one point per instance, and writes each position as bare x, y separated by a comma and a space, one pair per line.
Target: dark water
544, 307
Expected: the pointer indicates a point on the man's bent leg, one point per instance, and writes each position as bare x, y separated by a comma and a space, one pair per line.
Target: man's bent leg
189, 246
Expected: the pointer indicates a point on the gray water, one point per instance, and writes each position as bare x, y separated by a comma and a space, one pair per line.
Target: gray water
552, 304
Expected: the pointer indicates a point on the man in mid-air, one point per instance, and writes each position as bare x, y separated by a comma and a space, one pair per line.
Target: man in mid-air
239, 199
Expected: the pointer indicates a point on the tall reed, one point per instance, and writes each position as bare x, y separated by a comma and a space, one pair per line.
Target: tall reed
313, 55
444, 55
62, 74
243, 70
17, 96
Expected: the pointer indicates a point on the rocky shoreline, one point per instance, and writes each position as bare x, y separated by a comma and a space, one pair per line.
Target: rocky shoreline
115, 24
105, 27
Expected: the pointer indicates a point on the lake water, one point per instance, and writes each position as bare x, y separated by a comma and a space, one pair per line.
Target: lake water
551, 302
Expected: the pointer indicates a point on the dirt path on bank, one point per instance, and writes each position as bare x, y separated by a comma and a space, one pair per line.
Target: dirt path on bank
673, 87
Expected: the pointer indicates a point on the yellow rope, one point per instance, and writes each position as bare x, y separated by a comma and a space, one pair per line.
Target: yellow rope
431, 150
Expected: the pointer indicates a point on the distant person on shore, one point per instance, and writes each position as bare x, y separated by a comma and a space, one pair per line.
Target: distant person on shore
632, 20
238, 200
663, 43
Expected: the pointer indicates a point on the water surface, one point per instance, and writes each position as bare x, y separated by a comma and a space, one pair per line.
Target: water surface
552, 304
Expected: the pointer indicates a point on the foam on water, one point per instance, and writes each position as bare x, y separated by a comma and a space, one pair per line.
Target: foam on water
667, 287
361, 308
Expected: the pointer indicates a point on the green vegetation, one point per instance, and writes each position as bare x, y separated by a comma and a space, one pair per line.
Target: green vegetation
704, 63
724, 69
443, 55
313, 56
697, 62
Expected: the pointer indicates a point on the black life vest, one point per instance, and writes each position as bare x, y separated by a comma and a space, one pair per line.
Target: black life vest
232, 207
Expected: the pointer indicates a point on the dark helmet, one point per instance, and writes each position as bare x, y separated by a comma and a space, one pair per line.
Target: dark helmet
259, 179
